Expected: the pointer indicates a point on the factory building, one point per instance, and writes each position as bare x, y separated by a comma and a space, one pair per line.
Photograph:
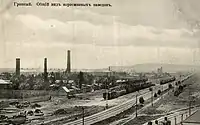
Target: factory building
160, 70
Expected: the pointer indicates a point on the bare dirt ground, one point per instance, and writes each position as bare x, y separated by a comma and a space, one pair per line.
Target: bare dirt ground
71, 109
92, 102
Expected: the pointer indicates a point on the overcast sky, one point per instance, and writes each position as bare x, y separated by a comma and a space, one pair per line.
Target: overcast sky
130, 32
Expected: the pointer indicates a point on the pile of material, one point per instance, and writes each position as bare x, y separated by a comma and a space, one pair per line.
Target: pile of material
20, 105
38, 112
60, 112
16, 119
35, 105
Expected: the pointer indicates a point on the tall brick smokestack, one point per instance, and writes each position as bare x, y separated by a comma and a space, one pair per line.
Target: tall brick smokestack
68, 62
17, 66
45, 69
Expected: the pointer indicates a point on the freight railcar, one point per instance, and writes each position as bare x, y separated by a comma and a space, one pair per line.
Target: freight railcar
167, 80
113, 94
136, 86
127, 87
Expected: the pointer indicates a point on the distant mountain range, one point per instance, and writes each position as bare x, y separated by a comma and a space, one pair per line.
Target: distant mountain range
147, 67
7, 70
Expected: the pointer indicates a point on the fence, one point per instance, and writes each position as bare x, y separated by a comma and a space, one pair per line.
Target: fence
176, 118
20, 94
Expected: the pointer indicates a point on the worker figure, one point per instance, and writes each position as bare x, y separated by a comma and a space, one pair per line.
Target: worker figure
156, 122
166, 121
50, 98
150, 123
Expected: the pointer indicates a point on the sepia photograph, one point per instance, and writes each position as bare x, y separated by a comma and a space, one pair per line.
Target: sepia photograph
99, 62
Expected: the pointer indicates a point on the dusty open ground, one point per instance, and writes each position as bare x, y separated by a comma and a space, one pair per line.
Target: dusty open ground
92, 102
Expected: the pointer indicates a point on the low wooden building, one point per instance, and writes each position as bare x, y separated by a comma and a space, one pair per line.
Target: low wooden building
4, 84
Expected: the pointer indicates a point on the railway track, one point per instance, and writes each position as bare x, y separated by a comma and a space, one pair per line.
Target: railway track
112, 111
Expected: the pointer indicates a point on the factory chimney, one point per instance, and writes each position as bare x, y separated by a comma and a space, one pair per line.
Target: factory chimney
17, 66
68, 62
45, 69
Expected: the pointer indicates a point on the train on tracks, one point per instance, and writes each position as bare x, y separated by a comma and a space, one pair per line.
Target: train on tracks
167, 80
127, 86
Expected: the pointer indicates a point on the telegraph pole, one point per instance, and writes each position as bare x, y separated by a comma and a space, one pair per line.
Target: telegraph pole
152, 97
189, 102
107, 93
106, 97
136, 106
83, 114
162, 92
107, 86
174, 85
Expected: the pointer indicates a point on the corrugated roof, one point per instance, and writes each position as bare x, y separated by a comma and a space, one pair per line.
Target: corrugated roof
66, 89
75, 88
4, 81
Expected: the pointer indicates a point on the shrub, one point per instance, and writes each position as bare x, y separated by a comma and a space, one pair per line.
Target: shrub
170, 86
176, 93
180, 87
155, 95
150, 123
159, 92
141, 100
150, 89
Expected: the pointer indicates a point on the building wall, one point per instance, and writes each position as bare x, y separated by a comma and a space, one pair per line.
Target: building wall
4, 86
4, 104
19, 94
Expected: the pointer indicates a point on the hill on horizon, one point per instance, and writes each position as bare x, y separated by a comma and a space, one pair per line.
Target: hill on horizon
149, 67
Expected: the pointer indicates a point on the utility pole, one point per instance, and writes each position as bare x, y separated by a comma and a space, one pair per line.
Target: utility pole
175, 119
107, 86
106, 93
152, 97
189, 101
174, 85
136, 106
83, 114
106, 99
162, 92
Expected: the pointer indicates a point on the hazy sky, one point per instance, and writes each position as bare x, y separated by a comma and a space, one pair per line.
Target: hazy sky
130, 32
